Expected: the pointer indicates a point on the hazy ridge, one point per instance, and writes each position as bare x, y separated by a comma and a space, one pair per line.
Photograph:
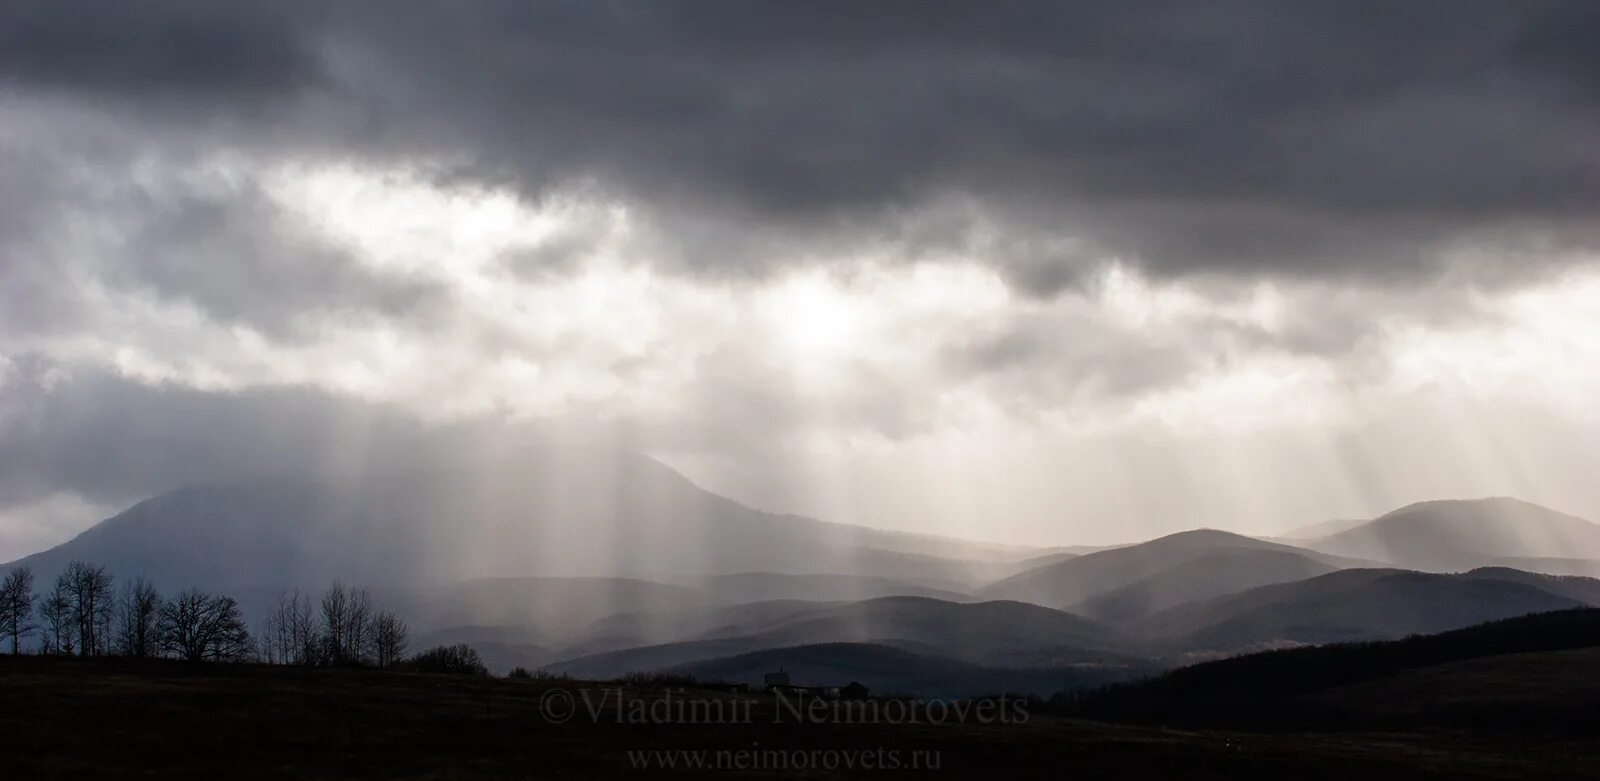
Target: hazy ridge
599, 564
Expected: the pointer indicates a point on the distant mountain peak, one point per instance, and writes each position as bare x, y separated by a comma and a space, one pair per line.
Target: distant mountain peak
1207, 536
1124, 582
1459, 534
546, 512
1496, 503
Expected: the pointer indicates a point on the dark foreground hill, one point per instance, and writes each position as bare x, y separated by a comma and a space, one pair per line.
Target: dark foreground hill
996, 632
983, 636
1365, 604
1531, 672
65, 718
898, 668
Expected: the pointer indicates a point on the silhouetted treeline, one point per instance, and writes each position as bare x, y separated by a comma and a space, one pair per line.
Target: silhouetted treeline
1261, 690
453, 659
83, 614
342, 628
16, 607
78, 615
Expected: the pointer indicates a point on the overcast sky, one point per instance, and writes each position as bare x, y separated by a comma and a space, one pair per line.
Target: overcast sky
1040, 272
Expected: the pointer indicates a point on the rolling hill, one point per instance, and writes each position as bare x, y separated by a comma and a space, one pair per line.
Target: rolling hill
1124, 583
997, 634
1516, 672
1362, 604
820, 587
1218, 572
1588, 568
548, 611
1321, 529
1554, 691
570, 617
1459, 534
890, 669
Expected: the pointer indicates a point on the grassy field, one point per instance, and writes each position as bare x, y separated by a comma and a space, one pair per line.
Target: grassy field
66, 717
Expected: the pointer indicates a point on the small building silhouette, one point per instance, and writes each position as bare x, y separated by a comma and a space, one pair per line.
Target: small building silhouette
777, 680
779, 683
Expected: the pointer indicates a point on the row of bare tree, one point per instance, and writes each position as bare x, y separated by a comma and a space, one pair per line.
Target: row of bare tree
84, 614
343, 628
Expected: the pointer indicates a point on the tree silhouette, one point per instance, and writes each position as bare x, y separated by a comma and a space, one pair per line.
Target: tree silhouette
289, 632
276, 646
137, 613
301, 624
55, 618
347, 625
16, 607
456, 659
358, 634
198, 627
89, 591
389, 639
335, 608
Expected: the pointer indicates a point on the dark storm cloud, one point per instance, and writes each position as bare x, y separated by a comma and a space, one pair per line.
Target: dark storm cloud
1308, 138
111, 439
227, 51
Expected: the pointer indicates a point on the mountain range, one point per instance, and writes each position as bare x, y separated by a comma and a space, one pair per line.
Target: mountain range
597, 563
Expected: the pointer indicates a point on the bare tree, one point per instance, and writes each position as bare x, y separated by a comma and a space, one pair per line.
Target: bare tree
455, 659
289, 633
389, 636
199, 627
335, 621
358, 635
137, 613
347, 624
303, 633
16, 607
273, 636
55, 618
89, 589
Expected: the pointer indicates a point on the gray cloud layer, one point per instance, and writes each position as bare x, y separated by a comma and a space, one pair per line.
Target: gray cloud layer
1330, 139
167, 317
